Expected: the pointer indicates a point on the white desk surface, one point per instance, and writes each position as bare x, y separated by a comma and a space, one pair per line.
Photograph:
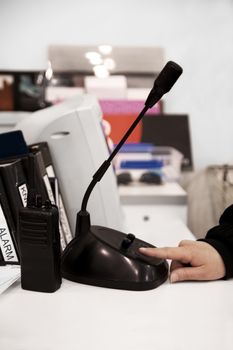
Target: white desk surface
166, 189
182, 316
167, 193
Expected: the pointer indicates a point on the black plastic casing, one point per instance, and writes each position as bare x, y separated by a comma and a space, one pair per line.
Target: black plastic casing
105, 257
40, 251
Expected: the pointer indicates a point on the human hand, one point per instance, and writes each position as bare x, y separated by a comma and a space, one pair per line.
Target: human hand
191, 260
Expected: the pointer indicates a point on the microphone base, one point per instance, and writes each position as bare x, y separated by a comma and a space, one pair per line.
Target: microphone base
108, 258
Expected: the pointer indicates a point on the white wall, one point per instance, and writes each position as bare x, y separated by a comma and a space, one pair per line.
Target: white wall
198, 34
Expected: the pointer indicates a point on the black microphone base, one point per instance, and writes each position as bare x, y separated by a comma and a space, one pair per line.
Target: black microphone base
108, 258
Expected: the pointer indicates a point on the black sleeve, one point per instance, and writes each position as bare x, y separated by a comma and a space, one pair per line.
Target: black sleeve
221, 238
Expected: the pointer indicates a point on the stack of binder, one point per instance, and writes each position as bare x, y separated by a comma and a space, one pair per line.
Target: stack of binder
52, 187
9, 249
15, 180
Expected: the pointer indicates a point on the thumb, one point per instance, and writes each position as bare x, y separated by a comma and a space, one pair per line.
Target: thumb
186, 274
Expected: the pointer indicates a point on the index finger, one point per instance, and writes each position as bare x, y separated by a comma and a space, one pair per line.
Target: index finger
174, 253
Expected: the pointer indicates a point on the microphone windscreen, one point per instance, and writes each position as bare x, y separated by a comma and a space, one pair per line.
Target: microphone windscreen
163, 83
168, 76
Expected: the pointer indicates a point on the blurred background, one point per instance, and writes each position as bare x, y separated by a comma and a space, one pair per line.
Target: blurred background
198, 34
44, 59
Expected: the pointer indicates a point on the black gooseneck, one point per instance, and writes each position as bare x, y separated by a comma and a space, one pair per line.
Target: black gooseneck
163, 83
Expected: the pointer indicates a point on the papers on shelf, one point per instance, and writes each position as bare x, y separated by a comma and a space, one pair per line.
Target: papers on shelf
8, 275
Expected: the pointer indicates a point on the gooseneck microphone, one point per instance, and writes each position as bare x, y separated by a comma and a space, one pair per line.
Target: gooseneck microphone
105, 257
